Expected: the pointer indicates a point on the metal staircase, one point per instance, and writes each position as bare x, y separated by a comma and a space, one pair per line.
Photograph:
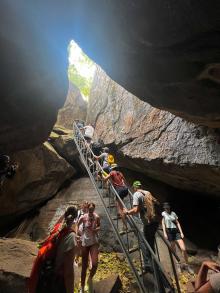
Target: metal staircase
132, 242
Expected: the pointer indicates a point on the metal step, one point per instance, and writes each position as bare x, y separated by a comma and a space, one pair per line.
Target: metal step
123, 232
111, 206
116, 218
133, 249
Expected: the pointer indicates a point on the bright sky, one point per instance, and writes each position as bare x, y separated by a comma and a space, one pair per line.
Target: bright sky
76, 57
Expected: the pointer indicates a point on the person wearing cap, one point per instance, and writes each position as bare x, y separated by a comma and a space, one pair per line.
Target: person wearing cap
143, 203
118, 181
173, 232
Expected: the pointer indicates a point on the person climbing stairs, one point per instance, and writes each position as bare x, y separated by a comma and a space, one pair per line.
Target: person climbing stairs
132, 239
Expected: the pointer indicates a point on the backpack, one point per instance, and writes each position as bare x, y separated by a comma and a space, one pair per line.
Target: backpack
110, 159
43, 270
156, 208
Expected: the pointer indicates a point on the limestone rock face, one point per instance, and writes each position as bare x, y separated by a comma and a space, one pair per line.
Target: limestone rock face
165, 52
33, 81
155, 142
62, 141
16, 260
78, 191
40, 174
75, 107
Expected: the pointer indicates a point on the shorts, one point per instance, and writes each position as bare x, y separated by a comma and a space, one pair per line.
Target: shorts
107, 169
173, 234
122, 191
88, 139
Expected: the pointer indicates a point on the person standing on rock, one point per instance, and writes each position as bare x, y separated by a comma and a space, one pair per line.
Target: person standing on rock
118, 181
145, 204
53, 269
90, 244
66, 252
173, 232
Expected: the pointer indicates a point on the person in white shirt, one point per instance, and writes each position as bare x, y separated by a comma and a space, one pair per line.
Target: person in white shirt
88, 133
173, 232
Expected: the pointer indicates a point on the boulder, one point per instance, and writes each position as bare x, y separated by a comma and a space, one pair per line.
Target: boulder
81, 189
154, 142
74, 108
62, 141
111, 284
16, 260
40, 174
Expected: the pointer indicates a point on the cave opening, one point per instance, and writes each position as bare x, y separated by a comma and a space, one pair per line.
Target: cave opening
81, 69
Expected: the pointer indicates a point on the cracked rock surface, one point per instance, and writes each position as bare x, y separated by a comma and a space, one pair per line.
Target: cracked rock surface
155, 142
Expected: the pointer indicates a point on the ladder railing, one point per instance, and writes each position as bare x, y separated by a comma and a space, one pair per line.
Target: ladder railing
142, 250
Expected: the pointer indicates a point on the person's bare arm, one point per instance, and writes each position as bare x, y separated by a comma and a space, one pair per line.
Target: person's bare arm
97, 225
180, 229
133, 211
69, 271
78, 224
164, 229
201, 283
106, 177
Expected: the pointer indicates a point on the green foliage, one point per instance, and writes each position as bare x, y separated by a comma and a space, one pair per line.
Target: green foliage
79, 73
83, 83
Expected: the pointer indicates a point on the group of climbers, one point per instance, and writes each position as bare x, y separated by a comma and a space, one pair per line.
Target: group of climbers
74, 235
147, 207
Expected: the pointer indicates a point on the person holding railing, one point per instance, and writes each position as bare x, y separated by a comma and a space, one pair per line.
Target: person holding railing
88, 133
118, 181
144, 204
104, 157
172, 231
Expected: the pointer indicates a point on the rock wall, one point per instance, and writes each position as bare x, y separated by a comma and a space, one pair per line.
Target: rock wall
81, 189
40, 174
165, 52
16, 260
62, 141
155, 142
75, 107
